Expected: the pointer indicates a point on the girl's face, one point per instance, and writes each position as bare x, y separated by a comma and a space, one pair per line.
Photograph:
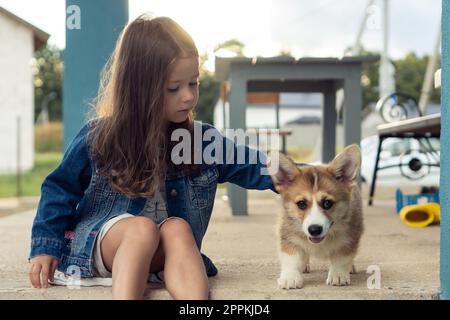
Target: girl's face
181, 94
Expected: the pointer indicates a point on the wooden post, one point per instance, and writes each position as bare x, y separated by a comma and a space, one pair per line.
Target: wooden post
18, 160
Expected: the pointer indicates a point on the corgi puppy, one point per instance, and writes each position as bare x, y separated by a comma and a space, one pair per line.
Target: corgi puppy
322, 216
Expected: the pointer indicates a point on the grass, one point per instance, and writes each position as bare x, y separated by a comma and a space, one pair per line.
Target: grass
48, 138
48, 141
31, 181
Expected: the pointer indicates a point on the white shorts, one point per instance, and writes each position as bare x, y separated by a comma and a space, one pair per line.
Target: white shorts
99, 268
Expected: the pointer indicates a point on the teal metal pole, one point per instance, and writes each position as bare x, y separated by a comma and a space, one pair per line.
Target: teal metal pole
445, 154
92, 28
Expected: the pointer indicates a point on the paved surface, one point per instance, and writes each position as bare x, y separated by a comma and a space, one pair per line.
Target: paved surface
244, 250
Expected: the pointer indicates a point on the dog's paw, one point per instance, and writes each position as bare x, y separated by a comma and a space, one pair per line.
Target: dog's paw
338, 278
290, 280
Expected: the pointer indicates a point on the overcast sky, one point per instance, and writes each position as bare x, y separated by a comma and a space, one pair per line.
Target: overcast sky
306, 28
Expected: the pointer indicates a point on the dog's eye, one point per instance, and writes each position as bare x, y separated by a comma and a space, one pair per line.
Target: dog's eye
327, 204
302, 204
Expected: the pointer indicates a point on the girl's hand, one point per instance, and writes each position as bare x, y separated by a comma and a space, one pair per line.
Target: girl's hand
42, 269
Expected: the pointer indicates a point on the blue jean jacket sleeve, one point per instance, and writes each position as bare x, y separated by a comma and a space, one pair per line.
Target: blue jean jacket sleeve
61, 192
250, 174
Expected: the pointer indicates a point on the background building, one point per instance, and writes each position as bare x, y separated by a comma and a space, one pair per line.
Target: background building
18, 42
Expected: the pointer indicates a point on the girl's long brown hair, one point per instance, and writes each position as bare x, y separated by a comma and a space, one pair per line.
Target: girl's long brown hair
130, 142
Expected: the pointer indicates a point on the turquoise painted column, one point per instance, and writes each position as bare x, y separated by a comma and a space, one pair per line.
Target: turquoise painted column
238, 81
92, 28
445, 154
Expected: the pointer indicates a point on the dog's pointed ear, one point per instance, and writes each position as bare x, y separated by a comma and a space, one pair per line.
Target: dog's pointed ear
346, 165
282, 170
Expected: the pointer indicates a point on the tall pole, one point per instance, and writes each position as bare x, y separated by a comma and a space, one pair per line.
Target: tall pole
18, 158
357, 47
429, 76
387, 83
385, 51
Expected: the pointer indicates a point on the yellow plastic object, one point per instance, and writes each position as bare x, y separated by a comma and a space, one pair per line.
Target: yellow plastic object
421, 215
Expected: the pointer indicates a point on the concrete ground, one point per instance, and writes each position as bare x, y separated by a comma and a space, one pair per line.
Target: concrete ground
244, 250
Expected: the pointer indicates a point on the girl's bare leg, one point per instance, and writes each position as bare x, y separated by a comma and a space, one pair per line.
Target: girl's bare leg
127, 250
184, 271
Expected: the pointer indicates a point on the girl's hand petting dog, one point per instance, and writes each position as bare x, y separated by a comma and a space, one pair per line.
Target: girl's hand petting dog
42, 269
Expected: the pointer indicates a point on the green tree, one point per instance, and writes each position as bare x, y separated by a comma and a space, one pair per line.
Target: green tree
209, 93
370, 82
209, 87
410, 74
47, 78
232, 45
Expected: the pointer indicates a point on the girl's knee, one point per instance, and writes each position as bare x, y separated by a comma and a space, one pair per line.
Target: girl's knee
177, 229
176, 226
141, 228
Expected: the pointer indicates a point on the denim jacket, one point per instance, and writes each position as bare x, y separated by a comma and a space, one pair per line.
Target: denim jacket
76, 201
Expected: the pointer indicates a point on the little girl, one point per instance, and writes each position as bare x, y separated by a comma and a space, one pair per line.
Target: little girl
117, 206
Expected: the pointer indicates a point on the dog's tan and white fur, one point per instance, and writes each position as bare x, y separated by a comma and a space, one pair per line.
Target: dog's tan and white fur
322, 216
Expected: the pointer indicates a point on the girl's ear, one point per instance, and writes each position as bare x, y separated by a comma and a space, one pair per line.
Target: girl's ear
282, 170
346, 165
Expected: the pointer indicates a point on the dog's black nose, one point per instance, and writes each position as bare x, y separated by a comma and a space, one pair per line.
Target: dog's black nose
315, 230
